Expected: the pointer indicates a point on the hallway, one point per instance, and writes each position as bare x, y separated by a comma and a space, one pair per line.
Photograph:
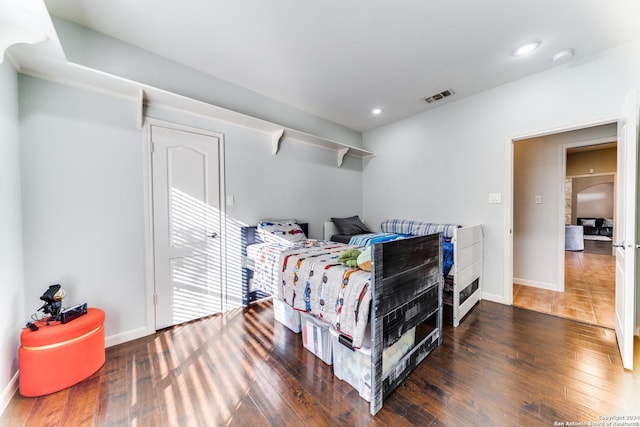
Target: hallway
589, 291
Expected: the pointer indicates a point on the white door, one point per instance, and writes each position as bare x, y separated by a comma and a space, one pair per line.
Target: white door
625, 240
186, 225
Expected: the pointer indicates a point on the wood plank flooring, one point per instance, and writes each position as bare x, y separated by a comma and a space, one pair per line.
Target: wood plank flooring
589, 294
598, 247
502, 366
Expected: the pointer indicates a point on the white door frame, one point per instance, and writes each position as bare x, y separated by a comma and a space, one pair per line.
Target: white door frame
563, 160
508, 205
148, 212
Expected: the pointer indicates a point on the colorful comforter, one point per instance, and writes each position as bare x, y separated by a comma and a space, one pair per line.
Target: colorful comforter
307, 276
373, 238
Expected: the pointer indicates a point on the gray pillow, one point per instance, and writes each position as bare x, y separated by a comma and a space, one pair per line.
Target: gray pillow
350, 226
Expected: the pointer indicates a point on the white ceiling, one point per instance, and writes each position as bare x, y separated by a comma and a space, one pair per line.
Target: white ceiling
339, 59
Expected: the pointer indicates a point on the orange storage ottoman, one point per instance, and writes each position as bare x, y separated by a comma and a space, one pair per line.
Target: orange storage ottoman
59, 355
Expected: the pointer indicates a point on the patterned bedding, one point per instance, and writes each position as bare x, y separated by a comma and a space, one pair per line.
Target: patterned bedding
307, 276
373, 238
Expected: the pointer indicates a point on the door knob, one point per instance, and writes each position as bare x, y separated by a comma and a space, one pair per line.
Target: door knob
212, 235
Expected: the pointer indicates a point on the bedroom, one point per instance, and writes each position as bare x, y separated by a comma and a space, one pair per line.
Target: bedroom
106, 200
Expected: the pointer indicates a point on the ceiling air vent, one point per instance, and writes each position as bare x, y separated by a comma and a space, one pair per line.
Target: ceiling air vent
439, 96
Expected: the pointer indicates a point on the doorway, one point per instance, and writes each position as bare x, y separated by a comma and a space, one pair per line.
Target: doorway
626, 222
590, 205
582, 287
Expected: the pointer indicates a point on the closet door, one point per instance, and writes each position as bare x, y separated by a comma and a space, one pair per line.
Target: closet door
187, 225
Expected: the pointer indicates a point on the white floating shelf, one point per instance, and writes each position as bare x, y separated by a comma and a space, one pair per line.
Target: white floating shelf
80, 76
340, 148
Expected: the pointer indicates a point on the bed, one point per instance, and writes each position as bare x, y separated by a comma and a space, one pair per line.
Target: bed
462, 275
249, 237
404, 289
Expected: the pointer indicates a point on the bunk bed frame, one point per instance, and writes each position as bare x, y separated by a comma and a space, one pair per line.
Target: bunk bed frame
249, 236
466, 273
406, 292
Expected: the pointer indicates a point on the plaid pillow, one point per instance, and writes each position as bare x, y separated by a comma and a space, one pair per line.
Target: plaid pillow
417, 228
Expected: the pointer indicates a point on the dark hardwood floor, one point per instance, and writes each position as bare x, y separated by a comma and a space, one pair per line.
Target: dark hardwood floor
502, 366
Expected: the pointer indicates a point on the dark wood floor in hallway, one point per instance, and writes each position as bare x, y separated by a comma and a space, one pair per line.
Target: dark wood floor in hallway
502, 366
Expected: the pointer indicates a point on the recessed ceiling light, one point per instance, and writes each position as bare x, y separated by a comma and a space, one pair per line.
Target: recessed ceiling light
563, 55
376, 111
526, 49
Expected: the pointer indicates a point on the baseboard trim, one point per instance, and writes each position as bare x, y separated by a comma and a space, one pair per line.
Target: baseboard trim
493, 298
534, 284
123, 337
8, 393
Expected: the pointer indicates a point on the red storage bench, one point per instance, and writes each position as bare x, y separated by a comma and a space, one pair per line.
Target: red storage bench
60, 355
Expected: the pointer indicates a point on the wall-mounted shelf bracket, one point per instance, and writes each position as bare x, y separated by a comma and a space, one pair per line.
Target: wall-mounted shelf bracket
341, 153
143, 96
140, 109
276, 137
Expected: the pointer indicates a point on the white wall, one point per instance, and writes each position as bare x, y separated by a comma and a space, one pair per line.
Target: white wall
596, 201
536, 226
442, 164
82, 172
82, 200
11, 263
96, 50
579, 184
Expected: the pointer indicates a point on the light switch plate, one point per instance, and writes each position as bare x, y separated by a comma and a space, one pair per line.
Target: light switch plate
495, 197
230, 200
537, 199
